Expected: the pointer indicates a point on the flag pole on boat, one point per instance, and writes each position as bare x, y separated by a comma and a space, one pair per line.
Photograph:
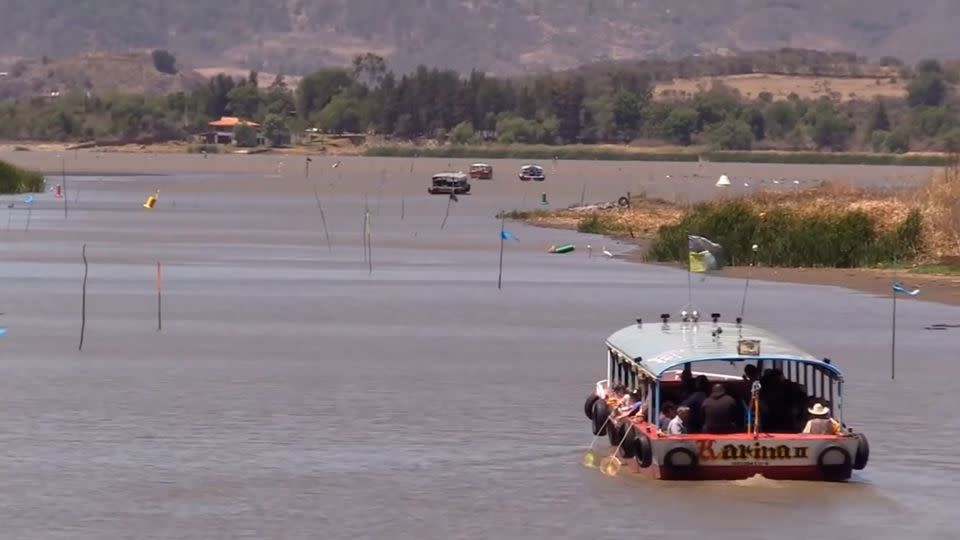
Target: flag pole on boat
746, 285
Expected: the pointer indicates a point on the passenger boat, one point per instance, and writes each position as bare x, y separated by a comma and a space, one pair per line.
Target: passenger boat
481, 171
657, 362
449, 183
532, 172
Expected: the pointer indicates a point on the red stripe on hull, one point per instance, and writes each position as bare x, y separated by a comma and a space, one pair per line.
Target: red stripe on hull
808, 473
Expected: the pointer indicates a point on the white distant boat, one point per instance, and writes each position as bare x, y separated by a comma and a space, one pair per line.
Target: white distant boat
723, 181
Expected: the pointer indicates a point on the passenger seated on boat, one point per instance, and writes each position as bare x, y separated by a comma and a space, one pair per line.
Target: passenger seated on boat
821, 423
630, 407
695, 403
720, 412
667, 413
678, 425
750, 373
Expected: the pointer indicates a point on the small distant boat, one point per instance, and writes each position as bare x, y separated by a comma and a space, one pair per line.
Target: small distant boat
656, 362
449, 183
481, 171
532, 172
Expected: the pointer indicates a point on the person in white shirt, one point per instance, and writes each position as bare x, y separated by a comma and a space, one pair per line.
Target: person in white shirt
677, 426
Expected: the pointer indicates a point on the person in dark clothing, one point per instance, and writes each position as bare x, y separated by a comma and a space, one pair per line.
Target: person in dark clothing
720, 412
695, 402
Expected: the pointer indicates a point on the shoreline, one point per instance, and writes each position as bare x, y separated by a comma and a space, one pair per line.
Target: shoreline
574, 152
938, 288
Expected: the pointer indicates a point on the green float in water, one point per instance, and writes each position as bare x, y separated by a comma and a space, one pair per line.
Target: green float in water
565, 248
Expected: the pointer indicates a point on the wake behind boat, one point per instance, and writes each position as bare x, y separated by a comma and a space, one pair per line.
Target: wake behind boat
751, 403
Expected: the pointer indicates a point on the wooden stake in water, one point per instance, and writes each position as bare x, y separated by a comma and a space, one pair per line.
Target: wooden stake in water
323, 219
63, 164
401, 207
83, 299
159, 300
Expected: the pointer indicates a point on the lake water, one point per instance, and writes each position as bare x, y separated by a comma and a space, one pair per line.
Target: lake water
292, 393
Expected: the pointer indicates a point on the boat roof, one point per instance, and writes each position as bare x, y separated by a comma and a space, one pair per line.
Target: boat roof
479, 165
531, 167
450, 174
659, 347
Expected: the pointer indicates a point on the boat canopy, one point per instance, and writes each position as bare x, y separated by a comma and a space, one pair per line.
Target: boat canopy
656, 348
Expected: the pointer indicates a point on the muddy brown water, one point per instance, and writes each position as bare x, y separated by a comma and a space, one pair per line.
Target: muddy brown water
292, 394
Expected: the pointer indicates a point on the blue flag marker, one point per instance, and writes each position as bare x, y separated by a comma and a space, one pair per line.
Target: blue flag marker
898, 287
507, 235
3, 330
28, 199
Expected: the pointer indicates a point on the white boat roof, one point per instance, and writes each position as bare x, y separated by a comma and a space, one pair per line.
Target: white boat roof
453, 174
479, 165
656, 347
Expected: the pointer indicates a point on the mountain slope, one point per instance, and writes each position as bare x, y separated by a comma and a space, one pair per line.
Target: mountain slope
504, 36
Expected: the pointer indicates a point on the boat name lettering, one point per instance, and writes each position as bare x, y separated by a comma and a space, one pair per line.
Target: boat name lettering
755, 451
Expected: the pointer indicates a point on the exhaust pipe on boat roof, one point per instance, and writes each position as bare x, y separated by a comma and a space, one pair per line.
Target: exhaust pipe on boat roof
715, 317
739, 320
639, 322
665, 317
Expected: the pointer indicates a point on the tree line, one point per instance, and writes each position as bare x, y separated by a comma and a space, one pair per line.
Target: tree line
600, 103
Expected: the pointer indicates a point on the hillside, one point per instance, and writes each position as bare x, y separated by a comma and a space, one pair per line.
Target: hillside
502, 36
96, 73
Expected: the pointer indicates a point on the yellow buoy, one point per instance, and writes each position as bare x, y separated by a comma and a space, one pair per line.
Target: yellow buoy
151, 201
610, 466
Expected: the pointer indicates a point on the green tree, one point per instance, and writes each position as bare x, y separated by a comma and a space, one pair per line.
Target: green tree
462, 133
898, 141
369, 69
928, 89
878, 117
218, 88
878, 140
626, 112
316, 90
244, 100
950, 141
731, 134
826, 127
680, 125
341, 115
929, 121
781, 118
164, 62
245, 136
275, 130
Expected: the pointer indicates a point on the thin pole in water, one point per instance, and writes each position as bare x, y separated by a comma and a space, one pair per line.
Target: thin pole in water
63, 172
159, 308
893, 338
323, 219
402, 209
503, 216
83, 301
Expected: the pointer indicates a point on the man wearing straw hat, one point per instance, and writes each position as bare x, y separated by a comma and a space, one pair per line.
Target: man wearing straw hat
821, 423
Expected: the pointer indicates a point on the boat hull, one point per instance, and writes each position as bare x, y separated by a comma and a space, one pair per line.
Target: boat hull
740, 456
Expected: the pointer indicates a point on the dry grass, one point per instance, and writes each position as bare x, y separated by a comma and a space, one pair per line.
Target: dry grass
938, 201
781, 86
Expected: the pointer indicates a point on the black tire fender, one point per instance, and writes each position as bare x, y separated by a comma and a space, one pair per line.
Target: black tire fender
863, 452
834, 472
588, 405
600, 413
614, 433
623, 202
643, 450
628, 446
670, 458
